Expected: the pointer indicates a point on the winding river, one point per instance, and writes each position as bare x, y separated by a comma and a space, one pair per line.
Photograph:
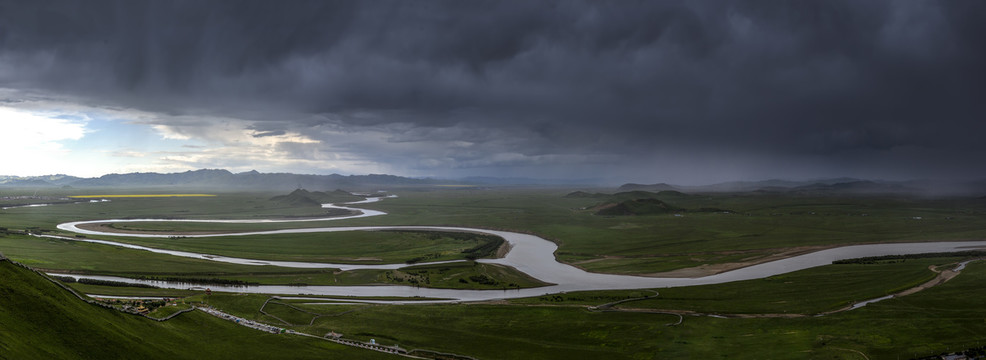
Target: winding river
528, 253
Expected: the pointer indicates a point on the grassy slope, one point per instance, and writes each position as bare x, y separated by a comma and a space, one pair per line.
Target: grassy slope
42, 321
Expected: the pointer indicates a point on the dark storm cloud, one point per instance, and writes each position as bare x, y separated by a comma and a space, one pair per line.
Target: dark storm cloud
875, 88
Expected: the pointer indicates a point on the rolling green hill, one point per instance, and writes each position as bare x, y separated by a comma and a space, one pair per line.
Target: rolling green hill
39, 320
639, 202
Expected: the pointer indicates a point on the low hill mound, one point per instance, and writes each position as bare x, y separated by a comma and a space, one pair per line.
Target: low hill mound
583, 194
646, 206
639, 202
302, 197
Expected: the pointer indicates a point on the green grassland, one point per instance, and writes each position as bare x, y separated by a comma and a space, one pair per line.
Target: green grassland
751, 225
481, 331
56, 254
636, 239
464, 276
810, 291
756, 226
350, 247
42, 321
949, 315
233, 205
928, 322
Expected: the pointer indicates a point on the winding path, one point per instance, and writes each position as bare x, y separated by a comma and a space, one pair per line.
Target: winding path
528, 253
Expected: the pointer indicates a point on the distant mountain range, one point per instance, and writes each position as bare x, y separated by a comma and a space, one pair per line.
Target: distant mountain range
489, 180
208, 178
274, 181
826, 186
224, 179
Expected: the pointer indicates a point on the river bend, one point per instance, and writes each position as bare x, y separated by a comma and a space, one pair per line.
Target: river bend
528, 253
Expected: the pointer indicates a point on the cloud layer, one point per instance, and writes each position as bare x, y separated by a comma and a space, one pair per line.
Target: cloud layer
673, 91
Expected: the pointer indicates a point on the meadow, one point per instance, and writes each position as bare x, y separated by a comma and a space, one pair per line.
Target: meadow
948, 316
349, 247
808, 292
755, 227
770, 318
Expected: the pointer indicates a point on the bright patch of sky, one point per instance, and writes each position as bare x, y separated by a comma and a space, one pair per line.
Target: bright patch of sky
33, 142
77, 143
54, 136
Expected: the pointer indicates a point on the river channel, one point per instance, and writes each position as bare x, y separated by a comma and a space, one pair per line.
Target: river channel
528, 253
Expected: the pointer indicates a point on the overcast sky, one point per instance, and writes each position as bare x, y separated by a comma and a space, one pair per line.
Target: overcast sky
687, 92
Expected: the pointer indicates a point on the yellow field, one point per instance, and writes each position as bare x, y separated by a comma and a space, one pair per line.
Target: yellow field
139, 196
